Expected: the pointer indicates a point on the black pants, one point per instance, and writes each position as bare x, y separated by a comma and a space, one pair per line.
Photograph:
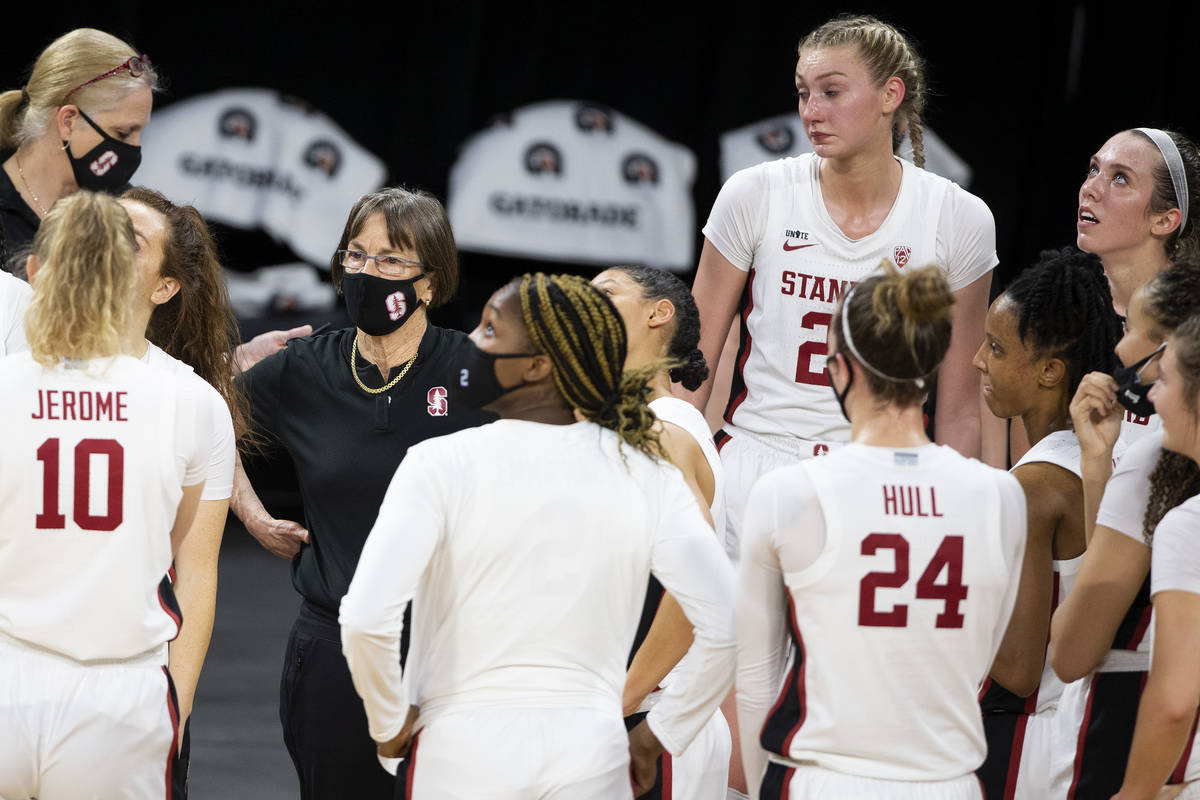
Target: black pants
324, 723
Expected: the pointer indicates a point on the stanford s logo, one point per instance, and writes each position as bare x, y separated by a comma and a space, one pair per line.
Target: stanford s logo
437, 401
106, 161
397, 306
902, 253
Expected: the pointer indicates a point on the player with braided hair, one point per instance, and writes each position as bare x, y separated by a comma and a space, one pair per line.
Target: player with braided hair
787, 239
663, 328
1099, 633
1053, 324
526, 546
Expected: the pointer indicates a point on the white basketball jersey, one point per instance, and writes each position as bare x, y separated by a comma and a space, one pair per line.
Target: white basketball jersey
896, 623
91, 475
686, 416
1060, 448
1134, 427
15, 295
800, 264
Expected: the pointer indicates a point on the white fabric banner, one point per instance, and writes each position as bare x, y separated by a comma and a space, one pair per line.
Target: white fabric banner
783, 136
252, 158
566, 180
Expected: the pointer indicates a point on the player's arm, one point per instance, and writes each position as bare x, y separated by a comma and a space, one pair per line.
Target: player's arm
1021, 657
196, 590
1096, 417
1083, 626
670, 633
959, 420
1167, 709
717, 288
394, 558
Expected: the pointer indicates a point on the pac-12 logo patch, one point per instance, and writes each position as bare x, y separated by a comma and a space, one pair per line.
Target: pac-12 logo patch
106, 161
902, 253
437, 401
396, 305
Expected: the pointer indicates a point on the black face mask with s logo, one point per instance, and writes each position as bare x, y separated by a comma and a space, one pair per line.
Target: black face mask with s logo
1131, 392
378, 306
108, 166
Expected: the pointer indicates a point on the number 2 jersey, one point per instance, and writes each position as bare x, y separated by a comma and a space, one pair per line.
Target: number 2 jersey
770, 220
91, 473
875, 587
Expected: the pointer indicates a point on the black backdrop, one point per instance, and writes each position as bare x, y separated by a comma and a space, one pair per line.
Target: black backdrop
1025, 93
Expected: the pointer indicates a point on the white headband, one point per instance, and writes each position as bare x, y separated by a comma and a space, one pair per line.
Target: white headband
920, 382
1170, 153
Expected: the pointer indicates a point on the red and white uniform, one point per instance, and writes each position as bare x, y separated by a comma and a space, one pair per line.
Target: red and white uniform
91, 476
875, 587
701, 772
771, 221
526, 549
15, 295
1175, 566
1134, 427
1025, 742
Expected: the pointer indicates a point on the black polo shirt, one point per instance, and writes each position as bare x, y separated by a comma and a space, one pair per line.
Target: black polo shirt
346, 443
18, 222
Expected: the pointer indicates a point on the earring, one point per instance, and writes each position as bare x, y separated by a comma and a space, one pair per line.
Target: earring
66, 143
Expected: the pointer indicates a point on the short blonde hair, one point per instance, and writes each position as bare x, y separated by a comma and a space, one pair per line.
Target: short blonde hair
70, 60
83, 289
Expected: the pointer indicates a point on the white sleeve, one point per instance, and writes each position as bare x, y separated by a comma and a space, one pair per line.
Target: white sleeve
15, 295
966, 238
1175, 556
1014, 522
401, 543
222, 456
762, 601
737, 218
195, 426
1127, 493
690, 564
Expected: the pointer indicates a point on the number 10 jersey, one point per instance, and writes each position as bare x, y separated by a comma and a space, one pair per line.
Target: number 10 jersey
94, 460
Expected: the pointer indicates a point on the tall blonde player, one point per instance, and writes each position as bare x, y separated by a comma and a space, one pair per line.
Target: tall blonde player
876, 584
99, 481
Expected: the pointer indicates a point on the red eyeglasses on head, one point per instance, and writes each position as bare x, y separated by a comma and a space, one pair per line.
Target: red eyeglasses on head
137, 66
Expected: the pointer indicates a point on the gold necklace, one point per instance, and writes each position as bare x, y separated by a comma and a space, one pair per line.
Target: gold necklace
28, 188
358, 380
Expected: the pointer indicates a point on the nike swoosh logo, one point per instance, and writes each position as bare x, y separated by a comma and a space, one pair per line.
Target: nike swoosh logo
789, 248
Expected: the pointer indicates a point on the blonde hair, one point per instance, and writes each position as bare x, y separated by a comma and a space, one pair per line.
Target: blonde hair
886, 53
83, 290
70, 60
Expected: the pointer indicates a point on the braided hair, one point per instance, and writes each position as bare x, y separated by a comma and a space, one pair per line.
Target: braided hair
886, 52
580, 330
1065, 309
687, 363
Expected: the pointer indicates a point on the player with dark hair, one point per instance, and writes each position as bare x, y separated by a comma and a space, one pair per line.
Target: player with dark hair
526, 546
876, 584
663, 327
1052, 325
1099, 641
1166, 721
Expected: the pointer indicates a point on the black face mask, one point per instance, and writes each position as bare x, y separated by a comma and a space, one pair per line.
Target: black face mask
841, 398
1131, 392
478, 385
378, 306
108, 166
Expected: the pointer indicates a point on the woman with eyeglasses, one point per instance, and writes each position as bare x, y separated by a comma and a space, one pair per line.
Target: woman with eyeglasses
346, 406
1100, 633
76, 124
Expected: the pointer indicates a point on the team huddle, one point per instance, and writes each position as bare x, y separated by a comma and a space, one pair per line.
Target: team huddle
528, 568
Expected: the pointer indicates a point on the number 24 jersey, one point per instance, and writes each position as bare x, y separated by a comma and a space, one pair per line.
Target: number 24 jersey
876, 585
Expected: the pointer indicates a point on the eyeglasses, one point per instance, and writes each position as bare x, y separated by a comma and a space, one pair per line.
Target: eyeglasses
137, 66
392, 266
